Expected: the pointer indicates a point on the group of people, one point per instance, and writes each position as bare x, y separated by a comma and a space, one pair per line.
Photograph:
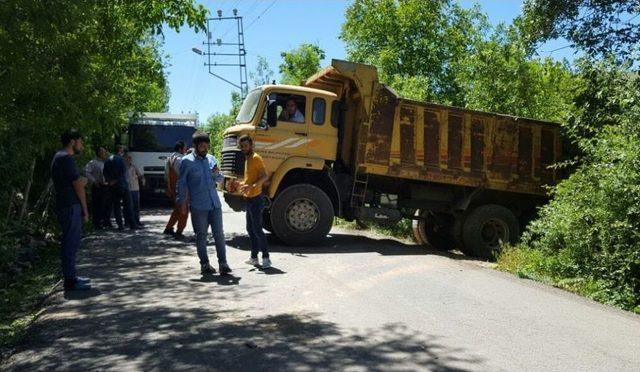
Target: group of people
191, 184
115, 187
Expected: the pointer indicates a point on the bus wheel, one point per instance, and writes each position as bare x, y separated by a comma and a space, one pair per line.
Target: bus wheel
302, 215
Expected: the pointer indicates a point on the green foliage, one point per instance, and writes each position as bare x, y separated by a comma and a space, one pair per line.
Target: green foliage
82, 64
600, 28
263, 74
440, 52
589, 233
300, 63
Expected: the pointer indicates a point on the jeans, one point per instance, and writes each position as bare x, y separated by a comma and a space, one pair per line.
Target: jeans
100, 206
70, 219
121, 200
135, 206
254, 227
201, 220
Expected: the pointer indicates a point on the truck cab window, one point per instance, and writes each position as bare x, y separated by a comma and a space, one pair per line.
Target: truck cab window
319, 108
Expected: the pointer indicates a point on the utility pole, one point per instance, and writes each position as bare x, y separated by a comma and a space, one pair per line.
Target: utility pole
226, 50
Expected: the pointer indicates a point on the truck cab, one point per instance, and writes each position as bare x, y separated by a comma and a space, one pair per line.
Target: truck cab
295, 130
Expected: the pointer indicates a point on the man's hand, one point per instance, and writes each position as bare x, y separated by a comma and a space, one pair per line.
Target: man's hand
215, 170
85, 216
244, 188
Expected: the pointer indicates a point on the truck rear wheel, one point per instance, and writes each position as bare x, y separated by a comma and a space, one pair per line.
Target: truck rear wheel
434, 230
302, 215
486, 228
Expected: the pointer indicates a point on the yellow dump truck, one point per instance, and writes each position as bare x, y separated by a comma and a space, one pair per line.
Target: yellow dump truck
344, 144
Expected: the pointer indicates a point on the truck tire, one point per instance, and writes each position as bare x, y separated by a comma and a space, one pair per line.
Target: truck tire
486, 228
302, 215
434, 230
266, 220
418, 229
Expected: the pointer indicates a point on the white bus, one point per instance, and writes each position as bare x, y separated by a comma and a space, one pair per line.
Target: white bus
151, 139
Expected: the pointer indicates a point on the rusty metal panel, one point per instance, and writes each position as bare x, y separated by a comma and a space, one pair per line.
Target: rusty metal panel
525, 152
504, 137
477, 144
547, 155
454, 140
407, 135
431, 138
381, 130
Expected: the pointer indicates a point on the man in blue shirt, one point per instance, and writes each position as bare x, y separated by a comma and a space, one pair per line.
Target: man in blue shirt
71, 206
196, 188
115, 174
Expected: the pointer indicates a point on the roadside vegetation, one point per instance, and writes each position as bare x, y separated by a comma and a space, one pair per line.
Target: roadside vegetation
86, 65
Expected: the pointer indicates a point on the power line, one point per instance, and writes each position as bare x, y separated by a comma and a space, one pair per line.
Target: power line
261, 14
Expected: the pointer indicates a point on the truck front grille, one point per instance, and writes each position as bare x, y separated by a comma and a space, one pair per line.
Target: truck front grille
230, 142
232, 163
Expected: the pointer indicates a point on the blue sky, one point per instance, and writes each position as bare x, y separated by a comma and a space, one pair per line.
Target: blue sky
315, 21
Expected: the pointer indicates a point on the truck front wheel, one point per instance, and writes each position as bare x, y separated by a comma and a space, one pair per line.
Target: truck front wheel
302, 215
487, 227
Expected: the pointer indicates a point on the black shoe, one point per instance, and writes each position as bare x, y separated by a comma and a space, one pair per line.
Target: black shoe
140, 224
225, 269
207, 269
168, 232
179, 236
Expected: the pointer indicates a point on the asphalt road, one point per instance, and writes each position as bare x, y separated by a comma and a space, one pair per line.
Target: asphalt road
355, 303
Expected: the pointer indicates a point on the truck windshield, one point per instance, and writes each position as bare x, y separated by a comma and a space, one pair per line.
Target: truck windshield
158, 138
249, 106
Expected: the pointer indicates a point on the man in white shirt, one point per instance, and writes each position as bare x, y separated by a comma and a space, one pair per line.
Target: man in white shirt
101, 213
171, 175
135, 177
291, 112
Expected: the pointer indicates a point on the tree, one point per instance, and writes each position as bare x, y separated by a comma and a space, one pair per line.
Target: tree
437, 51
300, 63
263, 74
598, 27
83, 64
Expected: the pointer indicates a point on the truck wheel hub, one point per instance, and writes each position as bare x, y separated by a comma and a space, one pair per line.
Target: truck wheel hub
494, 232
302, 215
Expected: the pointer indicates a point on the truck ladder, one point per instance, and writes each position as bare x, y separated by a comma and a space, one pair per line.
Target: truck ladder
360, 177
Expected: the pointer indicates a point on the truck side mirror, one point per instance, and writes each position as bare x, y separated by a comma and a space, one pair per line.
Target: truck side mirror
272, 110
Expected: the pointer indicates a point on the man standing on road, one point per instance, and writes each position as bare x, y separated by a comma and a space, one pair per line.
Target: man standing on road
71, 206
99, 189
255, 175
135, 177
171, 174
115, 173
196, 188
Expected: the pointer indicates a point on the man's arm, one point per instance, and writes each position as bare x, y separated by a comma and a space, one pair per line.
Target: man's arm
78, 187
181, 185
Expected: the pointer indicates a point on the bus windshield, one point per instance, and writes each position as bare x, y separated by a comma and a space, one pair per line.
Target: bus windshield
249, 106
158, 138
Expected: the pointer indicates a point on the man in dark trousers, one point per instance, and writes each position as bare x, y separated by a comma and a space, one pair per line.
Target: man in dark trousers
71, 206
255, 174
115, 174
100, 206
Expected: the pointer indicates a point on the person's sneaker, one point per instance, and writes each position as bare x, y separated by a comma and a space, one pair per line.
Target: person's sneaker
266, 263
253, 261
207, 269
168, 232
224, 269
179, 236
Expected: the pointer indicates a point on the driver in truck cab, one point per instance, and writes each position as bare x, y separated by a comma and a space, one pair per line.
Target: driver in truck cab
291, 112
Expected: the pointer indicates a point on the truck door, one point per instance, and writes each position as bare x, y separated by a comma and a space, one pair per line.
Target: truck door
290, 136
323, 131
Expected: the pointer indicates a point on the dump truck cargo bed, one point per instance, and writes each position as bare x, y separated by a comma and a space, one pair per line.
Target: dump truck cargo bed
444, 144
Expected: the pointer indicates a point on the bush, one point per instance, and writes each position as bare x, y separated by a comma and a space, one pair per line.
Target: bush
587, 239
